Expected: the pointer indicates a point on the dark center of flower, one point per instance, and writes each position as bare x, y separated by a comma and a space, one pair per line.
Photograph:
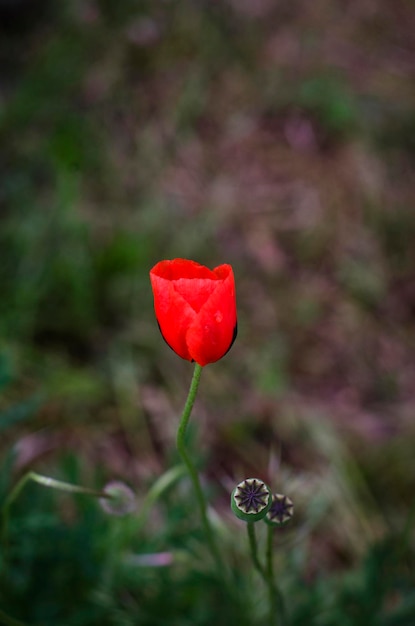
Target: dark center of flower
251, 495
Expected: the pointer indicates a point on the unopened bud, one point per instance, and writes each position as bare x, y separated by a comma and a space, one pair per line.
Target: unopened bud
121, 499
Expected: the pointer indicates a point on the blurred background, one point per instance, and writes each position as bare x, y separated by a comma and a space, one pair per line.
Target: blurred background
276, 136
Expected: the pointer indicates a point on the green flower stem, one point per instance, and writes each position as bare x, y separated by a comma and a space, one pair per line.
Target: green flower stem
276, 606
45, 481
181, 447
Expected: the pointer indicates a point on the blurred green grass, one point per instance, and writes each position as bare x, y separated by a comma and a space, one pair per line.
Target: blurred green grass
274, 137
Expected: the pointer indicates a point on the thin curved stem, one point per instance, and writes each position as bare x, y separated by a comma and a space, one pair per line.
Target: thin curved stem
155, 492
181, 447
45, 481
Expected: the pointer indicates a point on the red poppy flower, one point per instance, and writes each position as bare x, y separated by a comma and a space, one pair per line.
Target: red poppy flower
195, 308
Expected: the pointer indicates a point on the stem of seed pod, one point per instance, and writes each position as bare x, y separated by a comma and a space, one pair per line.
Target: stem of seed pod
270, 564
254, 549
181, 447
276, 606
276, 600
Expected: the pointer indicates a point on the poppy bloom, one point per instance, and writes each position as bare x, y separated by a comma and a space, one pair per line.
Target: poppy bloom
195, 308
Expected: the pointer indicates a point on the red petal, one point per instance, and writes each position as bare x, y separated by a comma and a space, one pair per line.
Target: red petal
182, 268
173, 314
212, 332
195, 291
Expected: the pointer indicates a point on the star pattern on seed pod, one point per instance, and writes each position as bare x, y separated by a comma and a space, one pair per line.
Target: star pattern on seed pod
281, 511
251, 496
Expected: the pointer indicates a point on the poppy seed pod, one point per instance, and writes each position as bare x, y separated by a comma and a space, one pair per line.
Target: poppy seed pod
281, 511
195, 308
251, 500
